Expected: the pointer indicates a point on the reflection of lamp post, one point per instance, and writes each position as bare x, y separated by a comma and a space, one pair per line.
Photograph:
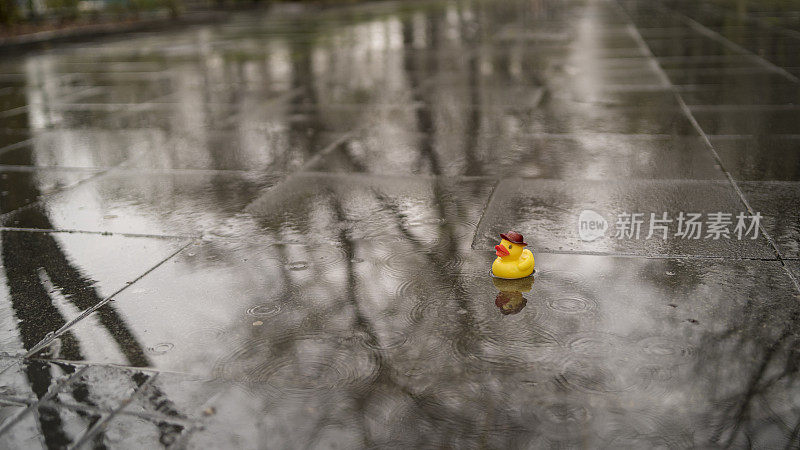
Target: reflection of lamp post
510, 299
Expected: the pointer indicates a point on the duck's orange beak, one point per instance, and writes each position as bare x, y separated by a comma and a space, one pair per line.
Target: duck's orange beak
501, 250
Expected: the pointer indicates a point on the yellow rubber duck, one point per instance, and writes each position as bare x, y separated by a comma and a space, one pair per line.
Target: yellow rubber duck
513, 260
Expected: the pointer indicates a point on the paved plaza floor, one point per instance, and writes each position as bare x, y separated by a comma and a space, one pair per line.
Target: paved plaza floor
276, 231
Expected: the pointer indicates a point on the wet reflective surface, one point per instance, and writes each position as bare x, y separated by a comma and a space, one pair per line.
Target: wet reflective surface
276, 231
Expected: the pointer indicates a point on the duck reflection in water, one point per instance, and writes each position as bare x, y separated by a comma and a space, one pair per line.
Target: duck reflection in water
510, 300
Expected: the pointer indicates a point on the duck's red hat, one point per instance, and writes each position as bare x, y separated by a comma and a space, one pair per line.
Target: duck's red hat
513, 237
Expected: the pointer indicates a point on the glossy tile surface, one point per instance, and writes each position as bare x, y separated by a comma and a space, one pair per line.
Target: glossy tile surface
548, 212
572, 156
362, 342
779, 203
156, 203
49, 279
760, 158
276, 230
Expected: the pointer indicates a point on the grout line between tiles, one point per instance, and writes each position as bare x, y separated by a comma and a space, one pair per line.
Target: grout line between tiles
656, 255
713, 35
41, 197
15, 145
708, 143
485, 208
100, 233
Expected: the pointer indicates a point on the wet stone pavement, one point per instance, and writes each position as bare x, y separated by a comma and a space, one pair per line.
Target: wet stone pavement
275, 231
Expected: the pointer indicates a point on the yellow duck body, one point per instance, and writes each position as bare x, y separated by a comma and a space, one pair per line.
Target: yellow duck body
513, 261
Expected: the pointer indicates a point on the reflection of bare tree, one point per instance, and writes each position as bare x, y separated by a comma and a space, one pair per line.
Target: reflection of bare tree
33, 262
772, 362
415, 74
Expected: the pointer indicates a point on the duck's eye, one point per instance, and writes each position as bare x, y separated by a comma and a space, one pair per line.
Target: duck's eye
509, 246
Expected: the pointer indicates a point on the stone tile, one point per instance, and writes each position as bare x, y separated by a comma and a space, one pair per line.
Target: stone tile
743, 78
779, 204
428, 115
564, 117
325, 208
590, 156
760, 158
103, 387
49, 278
651, 96
173, 397
155, 203
611, 329
760, 121
125, 431
77, 148
546, 212
794, 266
123, 87
732, 94
10, 139
459, 93
29, 381
706, 64
278, 150
348, 309
15, 120
20, 186
686, 46
58, 426
12, 97
25, 434
10, 410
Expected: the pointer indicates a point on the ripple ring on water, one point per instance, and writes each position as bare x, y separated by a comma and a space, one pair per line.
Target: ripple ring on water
572, 305
264, 310
160, 348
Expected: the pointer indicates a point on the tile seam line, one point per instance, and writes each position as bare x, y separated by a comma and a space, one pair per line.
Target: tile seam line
100, 424
713, 35
48, 339
485, 208
638, 37
761, 23
99, 233
656, 256
16, 145
52, 391
94, 176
